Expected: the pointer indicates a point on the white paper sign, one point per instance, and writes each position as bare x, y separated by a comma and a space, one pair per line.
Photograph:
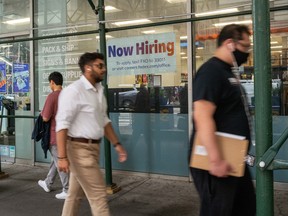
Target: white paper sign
148, 54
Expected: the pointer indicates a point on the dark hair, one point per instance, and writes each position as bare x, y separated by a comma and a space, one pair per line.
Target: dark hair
56, 77
232, 31
88, 58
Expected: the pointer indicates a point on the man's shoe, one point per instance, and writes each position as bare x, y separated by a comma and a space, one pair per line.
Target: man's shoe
62, 195
43, 185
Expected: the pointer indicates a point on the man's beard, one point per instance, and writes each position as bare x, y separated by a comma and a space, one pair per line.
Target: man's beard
98, 79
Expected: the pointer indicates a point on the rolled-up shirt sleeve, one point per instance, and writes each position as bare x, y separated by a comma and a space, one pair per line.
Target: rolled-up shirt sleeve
67, 108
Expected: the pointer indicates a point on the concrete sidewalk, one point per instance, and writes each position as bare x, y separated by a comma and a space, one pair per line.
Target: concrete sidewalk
20, 195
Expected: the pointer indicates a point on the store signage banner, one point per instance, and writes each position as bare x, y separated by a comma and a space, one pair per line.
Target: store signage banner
20, 78
2, 77
148, 54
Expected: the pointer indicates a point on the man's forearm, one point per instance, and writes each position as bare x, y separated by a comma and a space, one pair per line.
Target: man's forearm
110, 133
61, 137
206, 127
208, 138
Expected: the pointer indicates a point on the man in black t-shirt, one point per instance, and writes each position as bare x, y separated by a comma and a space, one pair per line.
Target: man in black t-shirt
218, 106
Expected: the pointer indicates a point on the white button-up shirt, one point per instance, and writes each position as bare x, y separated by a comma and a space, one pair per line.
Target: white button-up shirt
82, 110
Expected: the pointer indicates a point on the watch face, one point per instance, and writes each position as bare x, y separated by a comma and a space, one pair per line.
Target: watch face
250, 160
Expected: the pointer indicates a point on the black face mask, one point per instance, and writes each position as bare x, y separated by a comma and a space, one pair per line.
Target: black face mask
240, 57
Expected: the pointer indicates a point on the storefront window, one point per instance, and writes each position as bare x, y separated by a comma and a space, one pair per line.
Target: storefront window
154, 58
14, 16
64, 14
15, 80
137, 12
141, 122
147, 72
15, 73
148, 100
15, 94
62, 55
206, 34
279, 73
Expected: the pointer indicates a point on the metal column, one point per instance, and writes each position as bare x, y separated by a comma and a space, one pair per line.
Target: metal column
110, 186
263, 104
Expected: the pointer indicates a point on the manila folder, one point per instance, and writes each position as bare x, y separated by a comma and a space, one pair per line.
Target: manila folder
233, 149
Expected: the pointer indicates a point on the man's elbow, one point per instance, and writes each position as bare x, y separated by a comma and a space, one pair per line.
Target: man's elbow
45, 119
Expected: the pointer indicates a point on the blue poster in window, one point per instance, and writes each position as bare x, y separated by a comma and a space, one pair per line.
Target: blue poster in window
20, 78
2, 77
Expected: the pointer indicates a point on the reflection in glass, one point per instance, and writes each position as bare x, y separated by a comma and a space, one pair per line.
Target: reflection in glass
14, 16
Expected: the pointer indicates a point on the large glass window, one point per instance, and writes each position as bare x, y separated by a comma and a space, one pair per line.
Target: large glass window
15, 80
14, 16
211, 7
15, 97
152, 57
147, 69
64, 14
146, 104
120, 13
147, 80
206, 34
62, 55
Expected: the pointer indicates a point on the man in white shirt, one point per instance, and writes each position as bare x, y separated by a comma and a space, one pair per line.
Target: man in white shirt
81, 122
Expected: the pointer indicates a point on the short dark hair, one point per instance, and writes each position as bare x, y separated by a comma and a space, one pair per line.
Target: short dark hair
56, 77
232, 31
88, 58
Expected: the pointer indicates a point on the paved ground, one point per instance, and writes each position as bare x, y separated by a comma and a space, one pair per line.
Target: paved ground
140, 196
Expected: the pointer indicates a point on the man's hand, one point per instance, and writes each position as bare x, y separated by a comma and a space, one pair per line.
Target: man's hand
63, 165
122, 154
220, 168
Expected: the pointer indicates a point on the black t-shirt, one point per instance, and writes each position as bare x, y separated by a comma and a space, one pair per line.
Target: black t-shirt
216, 83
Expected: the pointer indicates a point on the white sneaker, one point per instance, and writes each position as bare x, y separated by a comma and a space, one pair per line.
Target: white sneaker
61, 195
43, 185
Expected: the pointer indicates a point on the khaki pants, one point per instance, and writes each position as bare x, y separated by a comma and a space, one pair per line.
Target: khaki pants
85, 180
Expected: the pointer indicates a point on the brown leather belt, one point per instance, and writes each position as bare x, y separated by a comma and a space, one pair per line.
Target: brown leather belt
84, 140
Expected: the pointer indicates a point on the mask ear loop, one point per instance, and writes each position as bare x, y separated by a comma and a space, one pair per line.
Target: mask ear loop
235, 68
234, 62
235, 71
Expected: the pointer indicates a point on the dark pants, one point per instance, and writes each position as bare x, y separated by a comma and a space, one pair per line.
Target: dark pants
231, 196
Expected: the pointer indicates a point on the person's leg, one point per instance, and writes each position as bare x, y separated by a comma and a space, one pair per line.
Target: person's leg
64, 177
74, 197
245, 202
84, 166
216, 194
223, 195
201, 179
52, 170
